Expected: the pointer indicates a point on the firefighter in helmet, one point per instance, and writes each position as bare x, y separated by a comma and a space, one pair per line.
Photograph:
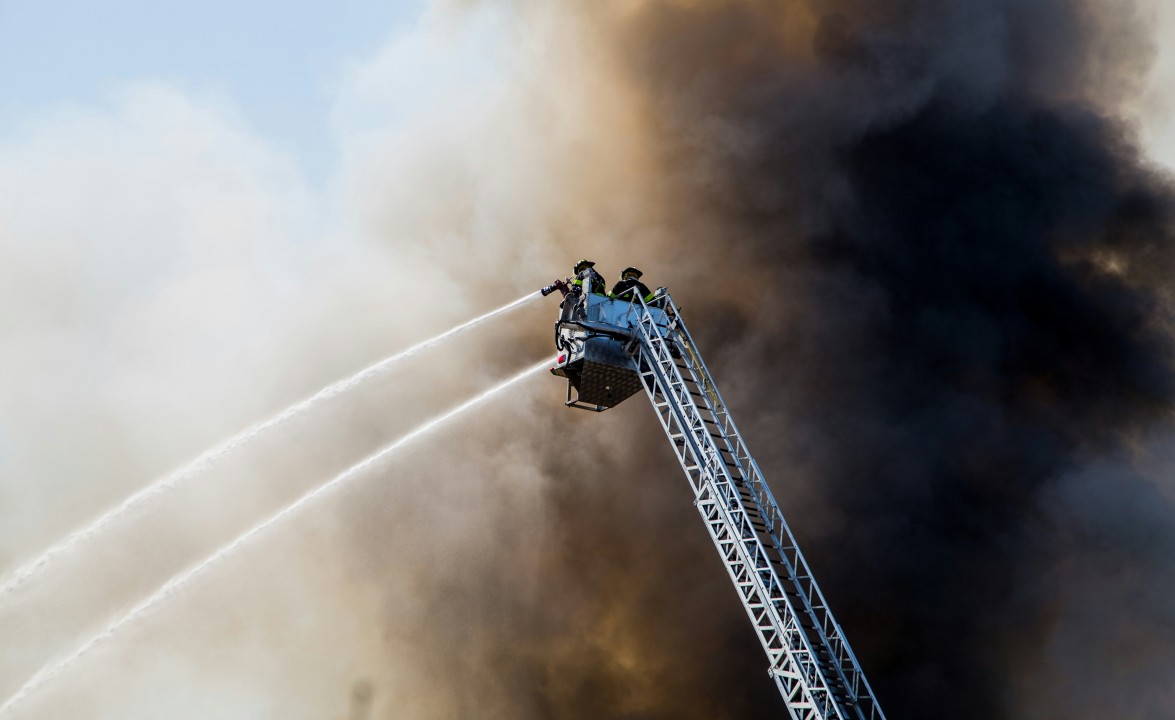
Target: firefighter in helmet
630, 286
587, 279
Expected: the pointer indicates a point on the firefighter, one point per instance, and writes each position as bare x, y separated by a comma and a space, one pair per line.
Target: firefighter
630, 286
585, 272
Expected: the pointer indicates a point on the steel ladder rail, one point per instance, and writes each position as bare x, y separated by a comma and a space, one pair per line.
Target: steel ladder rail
813, 665
834, 654
789, 651
831, 634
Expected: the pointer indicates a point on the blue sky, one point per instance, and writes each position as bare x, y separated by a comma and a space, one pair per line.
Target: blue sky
207, 212
279, 63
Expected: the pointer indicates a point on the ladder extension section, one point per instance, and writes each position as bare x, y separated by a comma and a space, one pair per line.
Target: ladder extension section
809, 657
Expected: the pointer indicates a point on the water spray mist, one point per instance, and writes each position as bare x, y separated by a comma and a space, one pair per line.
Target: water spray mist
178, 582
206, 459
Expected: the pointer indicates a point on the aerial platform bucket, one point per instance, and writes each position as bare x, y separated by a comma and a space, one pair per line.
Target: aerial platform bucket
598, 360
604, 376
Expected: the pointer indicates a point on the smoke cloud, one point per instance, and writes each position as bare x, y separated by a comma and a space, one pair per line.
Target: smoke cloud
930, 264
919, 245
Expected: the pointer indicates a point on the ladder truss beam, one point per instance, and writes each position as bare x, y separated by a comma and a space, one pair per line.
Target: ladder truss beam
809, 658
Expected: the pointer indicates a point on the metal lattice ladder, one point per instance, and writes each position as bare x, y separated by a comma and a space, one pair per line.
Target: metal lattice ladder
809, 657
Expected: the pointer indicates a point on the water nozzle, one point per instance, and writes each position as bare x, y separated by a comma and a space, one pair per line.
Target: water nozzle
557, 285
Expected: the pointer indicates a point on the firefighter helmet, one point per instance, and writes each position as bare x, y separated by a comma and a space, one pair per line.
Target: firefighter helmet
583, 263
630, 272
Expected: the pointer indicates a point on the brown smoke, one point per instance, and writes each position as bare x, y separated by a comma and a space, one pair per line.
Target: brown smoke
929, 267
925, 260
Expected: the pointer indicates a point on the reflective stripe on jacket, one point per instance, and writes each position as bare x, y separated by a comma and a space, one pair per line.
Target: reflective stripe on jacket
596, 282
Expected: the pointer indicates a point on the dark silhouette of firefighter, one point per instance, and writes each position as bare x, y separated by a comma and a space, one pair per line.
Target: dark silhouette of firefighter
630, 286
587, 279
573, 288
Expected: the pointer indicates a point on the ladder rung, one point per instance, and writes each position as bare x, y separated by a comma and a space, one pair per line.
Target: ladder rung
741, 516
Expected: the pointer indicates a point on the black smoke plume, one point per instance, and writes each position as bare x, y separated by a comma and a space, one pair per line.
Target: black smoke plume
965, 241
930, 269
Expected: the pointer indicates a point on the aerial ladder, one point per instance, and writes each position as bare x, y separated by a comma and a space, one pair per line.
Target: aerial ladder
608, 350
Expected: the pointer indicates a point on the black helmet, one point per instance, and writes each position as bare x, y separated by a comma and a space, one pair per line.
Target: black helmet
583, 264
630, 271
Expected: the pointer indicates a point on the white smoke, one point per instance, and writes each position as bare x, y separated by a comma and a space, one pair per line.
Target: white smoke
1157, 106
168, 277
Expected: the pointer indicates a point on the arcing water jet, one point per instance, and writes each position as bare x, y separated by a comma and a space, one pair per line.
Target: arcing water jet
76, 538
178, 582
